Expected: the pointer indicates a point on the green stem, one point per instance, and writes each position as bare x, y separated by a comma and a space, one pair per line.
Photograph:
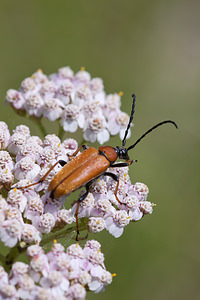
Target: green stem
2, 259
67, 232
61, 132
41, 127
38, 121
12, 256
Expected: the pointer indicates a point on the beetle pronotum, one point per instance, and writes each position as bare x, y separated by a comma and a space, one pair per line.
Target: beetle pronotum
82, 170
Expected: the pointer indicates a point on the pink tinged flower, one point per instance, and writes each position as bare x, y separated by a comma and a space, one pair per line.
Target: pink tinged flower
45, 183
18, 270
96, 85
10, 232
29, 149
17, 140
3, 204
84, 278
76, 291
52, 206
136, 214
56, 282
60, 153
118, 124
26, 288
82, 76
95, 129
112, 104
45, 223
66, 73
142, 190
43, 294
99, 188
96, 224
13, 213
4, 135
101, 278
64, 217
104, 206
70, 145
56, 250
46, 156
66, 92
3, 277
48, 90
28, 85
92, 245
15, 98
52, 109
22, 129
30, 234
17, 199
39, 267
146, 207
35, 140
34, 105
75, 251
85, 207
8, 292
6, 178
121, 192
51, 140
34, 207
34, 251
39, 77
72, 118
131, 202
6, 160
115, 224
61, 263
82, 96
26, 169
92, 108
96, 258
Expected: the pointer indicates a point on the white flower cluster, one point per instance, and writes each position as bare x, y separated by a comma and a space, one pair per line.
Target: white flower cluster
76, 99
26, 214
59, 274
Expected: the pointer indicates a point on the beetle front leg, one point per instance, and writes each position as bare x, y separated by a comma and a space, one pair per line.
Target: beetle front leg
126, 164
77, 209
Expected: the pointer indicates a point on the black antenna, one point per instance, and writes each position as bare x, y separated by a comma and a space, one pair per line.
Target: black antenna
151, 129
130, 120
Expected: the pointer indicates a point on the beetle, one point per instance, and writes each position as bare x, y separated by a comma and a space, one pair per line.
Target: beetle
84, 169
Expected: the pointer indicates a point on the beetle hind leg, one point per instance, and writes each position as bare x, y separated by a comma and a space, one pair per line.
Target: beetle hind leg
115, 178
77, 209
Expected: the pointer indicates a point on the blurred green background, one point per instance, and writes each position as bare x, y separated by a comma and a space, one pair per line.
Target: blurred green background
151, 48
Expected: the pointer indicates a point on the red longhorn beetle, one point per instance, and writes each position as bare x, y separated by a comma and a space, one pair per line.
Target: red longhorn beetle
83, 169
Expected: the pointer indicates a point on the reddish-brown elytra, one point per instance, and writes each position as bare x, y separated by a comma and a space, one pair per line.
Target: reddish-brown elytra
82, 170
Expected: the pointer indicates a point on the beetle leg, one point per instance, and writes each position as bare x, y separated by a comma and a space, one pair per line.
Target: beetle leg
114, 177
61, 162
76, 152
120, 165
77, 208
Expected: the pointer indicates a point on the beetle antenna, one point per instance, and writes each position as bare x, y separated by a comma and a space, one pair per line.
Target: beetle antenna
151, 129
130, 120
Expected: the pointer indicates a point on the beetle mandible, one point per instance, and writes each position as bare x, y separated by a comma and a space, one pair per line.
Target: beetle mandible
82, 170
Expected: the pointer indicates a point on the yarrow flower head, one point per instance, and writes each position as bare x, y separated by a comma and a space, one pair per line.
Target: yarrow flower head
77, 100
32, 214
66, 274
27, 159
